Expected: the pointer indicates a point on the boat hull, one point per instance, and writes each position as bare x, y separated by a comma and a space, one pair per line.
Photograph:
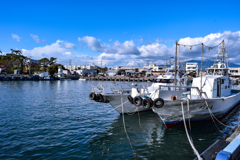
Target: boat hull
128, 108
171, 112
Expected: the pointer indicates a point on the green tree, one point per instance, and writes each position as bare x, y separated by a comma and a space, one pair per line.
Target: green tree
53, 69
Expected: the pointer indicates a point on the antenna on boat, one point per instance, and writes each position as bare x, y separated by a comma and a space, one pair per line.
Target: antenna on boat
201, 69
175, 65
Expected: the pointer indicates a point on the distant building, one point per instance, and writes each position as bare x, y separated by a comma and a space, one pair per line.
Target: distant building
192, 67
112, 72
234, 72
76, 67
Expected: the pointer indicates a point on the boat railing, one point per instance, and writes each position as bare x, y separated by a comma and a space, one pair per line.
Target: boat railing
181, 87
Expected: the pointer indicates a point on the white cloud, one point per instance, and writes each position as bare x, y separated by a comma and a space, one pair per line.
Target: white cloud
67, 53
36, 39
158, 53
57, 49
67, 45
128, 47
153, 50
232, 44
16, 37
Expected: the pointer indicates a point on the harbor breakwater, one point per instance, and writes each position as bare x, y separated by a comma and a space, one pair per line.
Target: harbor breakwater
76, 77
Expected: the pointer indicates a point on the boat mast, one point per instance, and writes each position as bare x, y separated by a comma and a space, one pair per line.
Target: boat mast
201, 69
175, 75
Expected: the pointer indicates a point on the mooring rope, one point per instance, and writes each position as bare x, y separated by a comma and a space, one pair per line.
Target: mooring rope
189, 139
78, 105
139, 119
212, 115
108, 111
135, 155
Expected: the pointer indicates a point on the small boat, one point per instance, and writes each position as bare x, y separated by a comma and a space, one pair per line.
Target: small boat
82, 79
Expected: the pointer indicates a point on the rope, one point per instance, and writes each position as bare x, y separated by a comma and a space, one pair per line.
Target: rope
189, 139
78, 105
212, 115
139, 119
108, 111
135, 155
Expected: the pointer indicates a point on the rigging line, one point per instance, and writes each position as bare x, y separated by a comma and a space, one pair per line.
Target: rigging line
191, 143
190, 45
135, 155
139, 119
216, 117
189, 123
78, 105
199, 44
108, 111
214, 46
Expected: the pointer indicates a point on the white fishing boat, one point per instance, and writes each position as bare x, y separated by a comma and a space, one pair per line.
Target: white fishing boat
113, 94
210, 96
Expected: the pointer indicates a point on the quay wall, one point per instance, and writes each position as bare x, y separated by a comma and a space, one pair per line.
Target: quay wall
76, 77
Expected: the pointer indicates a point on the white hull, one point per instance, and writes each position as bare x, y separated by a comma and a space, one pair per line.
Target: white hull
116, 103
171, 112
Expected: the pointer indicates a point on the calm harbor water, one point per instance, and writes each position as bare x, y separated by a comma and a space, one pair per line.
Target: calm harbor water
44, 120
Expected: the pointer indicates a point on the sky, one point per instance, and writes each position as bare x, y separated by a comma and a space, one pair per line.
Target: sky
119, 33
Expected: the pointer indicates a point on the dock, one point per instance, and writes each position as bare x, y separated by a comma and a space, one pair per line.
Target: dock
121, 78
12, 77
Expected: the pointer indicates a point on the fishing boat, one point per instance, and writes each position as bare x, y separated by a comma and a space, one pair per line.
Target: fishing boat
210, 96
121, 95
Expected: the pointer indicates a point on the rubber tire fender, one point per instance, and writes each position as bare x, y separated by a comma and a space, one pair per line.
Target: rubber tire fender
101, 99
130, 99
158, 105
92, 96
146, 103
137, 101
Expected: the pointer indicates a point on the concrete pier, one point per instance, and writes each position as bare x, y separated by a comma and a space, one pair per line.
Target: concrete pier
120, 78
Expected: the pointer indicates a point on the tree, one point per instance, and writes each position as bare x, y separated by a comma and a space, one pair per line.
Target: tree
53, 69
44, 62
52, 61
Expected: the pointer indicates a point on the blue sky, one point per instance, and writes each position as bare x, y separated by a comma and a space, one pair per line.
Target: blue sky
117, 32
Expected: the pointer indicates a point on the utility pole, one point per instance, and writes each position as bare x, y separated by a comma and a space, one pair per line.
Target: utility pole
175, 75
30, 65
101, 66
70, 64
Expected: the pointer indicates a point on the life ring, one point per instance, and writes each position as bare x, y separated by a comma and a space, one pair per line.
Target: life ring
156, 101
92, 96
130, 99
147, 103
137, 101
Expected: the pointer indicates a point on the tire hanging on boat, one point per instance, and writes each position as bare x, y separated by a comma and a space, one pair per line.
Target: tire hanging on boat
146, 103
105, 100
137, 101
92, 96
156, 101
101, 99
130, 99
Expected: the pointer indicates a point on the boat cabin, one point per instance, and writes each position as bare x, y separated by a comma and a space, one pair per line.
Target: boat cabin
215, 83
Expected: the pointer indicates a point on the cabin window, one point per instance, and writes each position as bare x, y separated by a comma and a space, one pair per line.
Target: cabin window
222, 81
225, 87
228, 86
